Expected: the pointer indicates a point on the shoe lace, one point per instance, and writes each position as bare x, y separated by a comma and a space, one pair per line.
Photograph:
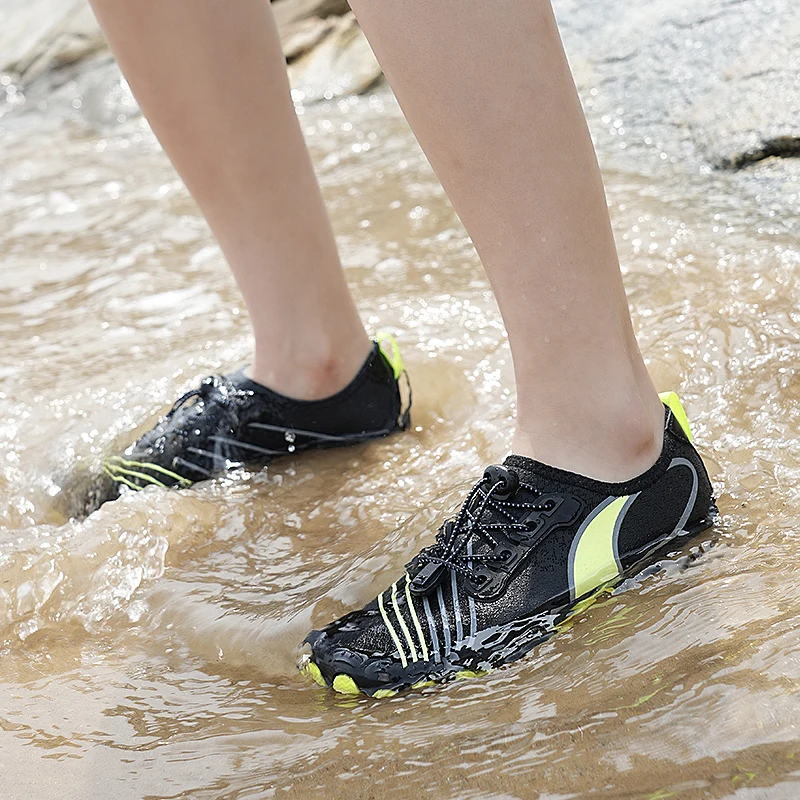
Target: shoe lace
203, 391
497, 492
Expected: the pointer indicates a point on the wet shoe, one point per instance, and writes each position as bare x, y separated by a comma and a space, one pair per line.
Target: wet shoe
529, 543
233, 421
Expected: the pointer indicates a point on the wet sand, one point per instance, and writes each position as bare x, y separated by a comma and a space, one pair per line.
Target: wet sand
149, 651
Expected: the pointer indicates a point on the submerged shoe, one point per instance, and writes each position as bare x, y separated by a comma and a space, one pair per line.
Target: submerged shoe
528, 544
233, 421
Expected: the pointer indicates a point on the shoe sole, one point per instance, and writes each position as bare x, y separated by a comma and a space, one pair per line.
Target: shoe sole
446, 672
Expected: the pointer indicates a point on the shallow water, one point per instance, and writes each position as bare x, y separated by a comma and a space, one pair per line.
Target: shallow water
149, 651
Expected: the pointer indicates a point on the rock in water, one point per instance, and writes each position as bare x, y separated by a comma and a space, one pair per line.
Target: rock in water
299, 37
704, 85
289, 11
342, 64
753, 113
37, 35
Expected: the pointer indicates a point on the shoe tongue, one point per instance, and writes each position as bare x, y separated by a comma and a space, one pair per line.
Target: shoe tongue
467, 532
525, 466
466, 536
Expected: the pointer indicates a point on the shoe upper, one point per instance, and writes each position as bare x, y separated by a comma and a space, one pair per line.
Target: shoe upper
233, 421
529, 540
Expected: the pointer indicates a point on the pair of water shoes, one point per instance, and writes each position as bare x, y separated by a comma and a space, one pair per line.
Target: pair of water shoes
528, 544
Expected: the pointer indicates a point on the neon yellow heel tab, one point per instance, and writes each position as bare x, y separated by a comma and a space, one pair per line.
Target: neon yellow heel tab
394, 358
673, 403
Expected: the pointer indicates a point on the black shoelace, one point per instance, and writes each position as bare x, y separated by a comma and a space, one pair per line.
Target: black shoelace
497, 492
204, 390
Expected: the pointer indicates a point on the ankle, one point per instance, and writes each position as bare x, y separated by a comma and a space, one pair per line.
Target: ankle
310, 370
614, 441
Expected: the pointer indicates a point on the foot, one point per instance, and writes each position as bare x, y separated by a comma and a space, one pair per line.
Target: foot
233, 421
529, 542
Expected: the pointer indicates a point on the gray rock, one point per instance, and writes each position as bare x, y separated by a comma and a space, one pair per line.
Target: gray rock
298, 38
710, 85
77, 38
342, 64
289, 11
37, 35
722, 76
753, 112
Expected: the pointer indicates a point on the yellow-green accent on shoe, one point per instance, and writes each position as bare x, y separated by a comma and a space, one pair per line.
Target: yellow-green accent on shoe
593, 560
415, 618
120, 479
464, 674
392, 631
114, 462
673, 403
394, 358
313, 671
403, 626
344, 684
115, 469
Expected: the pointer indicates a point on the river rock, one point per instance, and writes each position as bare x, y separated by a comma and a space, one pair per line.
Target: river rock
342, 64
299, 37
753, 112
37, 35
716, 82
289, 11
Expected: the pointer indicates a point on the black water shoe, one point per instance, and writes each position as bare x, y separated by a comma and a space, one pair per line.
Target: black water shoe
528, 545
232, 421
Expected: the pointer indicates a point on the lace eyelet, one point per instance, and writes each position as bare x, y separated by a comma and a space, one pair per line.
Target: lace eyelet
485, 583
504, 482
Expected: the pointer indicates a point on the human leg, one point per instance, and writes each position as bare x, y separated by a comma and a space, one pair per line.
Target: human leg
211, 79
488, 92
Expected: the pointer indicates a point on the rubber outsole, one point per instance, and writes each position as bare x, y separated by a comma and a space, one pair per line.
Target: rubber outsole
346, 684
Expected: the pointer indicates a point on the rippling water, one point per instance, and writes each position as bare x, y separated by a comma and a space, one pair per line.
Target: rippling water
149, 651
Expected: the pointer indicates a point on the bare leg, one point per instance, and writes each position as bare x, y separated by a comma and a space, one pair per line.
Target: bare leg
488, 92
211, 78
